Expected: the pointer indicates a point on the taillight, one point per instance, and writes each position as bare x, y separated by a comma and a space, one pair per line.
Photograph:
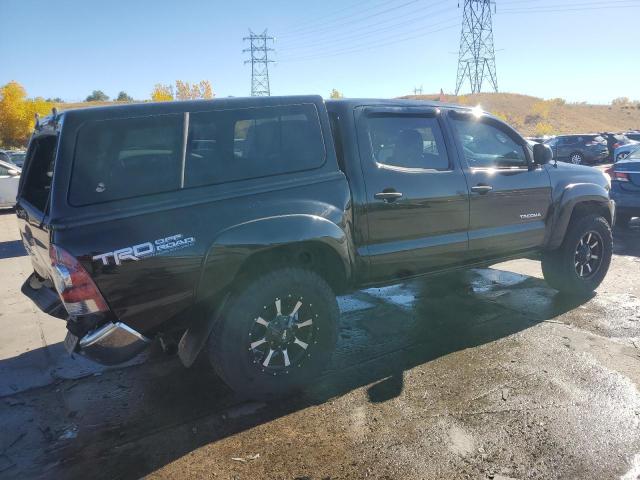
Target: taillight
616, 145
77, 290
620, 176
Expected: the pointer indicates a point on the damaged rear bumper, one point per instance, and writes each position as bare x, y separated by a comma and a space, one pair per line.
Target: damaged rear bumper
109, 344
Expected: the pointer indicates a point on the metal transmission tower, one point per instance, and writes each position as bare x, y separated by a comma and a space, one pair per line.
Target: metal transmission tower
259, 63
477, 60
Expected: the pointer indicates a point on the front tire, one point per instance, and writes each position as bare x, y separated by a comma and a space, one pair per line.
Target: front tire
276, 335
579, 266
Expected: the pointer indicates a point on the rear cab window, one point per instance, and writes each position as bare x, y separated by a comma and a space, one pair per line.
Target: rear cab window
123, 158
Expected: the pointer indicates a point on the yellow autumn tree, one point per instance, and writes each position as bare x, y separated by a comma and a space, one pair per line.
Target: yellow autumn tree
196, 91
336, 94
17, 114
162, 93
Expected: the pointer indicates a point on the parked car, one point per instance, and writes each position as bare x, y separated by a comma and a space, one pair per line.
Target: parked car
634, 135
624, 151
625, 187
615, 141
579, 149
17, 158
9, 179
232, 224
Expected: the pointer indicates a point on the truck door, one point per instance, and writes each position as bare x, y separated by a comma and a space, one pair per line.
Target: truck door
417, 202
509, 196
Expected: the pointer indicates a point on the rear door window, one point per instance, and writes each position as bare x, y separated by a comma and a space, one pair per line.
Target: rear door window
234, 145
408, 142
130, 157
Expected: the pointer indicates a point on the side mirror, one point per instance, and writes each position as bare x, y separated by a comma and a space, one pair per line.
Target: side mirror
542, 154
13, 173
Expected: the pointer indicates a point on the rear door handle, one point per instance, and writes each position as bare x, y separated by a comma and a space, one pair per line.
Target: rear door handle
482, 189
388, 196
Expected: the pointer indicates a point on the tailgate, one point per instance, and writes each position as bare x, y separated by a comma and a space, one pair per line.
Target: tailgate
33, 200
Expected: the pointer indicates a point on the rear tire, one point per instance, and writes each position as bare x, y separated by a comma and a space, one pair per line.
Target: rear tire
577, 269
264, 355
576, 158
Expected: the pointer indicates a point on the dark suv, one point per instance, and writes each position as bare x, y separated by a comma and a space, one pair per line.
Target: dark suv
579, 149
230, 225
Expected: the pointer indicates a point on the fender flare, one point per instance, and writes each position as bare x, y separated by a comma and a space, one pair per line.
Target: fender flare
232, 247
573, 195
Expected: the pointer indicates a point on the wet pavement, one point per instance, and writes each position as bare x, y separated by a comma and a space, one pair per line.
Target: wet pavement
497, 376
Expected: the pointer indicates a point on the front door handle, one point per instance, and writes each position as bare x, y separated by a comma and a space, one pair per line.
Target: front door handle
388, 196
482, 189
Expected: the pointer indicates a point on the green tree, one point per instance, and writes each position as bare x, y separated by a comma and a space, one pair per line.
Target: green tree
124, 97
97, 96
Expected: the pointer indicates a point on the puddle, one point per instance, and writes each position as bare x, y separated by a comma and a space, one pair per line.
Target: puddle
487, 279
400, 295
349, 303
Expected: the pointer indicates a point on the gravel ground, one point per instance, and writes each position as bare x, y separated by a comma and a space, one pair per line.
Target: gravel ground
495, 377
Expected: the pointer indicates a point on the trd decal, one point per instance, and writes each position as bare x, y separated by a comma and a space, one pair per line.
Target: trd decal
147, 249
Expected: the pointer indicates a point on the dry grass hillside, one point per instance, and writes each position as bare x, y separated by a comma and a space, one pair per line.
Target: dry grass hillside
530, 115
536, 116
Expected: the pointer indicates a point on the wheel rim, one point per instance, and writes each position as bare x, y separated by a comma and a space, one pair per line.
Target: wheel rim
281, 338
576, 159
588, 255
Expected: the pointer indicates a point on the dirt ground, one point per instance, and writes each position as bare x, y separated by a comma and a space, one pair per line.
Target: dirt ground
498, 377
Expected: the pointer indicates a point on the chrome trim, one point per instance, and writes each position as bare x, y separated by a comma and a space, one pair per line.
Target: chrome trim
113, 343
185, 138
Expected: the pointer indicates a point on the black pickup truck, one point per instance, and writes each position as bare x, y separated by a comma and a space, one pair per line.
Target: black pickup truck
230, 225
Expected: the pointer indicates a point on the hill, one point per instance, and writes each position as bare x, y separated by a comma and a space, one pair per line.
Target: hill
536, 116
529, 115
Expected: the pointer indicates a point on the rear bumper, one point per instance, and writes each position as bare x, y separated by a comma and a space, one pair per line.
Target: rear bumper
109, 344
625, 201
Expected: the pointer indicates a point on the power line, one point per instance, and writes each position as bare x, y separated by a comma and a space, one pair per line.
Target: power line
477, 57
355, 24
259, 63
350, 21
370, 46
299, 26
561, 9
368, 30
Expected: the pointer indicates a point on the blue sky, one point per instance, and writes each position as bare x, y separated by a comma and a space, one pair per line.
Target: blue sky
575, 49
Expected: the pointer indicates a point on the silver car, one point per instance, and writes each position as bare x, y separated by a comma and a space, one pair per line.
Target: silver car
9, 179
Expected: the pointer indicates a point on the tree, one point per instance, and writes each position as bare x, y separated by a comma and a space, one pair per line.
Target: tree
182, 91
187, 91
54, 100
17, 114
97, 96
336, 94
162, 93
123, 97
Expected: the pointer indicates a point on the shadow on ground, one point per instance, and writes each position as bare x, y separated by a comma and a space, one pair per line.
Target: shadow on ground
152, 414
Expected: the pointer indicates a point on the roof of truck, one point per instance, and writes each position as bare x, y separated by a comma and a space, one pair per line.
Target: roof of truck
240, 102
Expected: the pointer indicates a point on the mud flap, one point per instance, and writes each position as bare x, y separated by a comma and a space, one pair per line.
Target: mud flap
194, 339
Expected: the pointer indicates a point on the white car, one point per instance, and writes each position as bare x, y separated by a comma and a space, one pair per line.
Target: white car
9, 179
